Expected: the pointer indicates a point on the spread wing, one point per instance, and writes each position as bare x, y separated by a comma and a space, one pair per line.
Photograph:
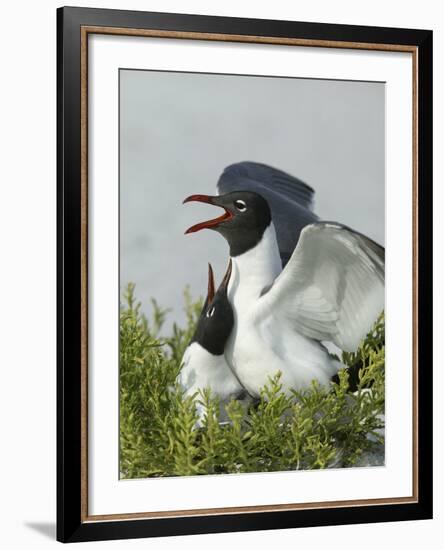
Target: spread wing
332, 287
290, 199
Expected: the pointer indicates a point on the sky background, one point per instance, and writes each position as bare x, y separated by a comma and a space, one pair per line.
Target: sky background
179, 130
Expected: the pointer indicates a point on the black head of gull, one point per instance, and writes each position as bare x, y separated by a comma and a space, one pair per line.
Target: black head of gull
216, 319
247, 215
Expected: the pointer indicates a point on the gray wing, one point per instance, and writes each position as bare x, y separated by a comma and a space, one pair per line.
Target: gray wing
290, 199
332, 288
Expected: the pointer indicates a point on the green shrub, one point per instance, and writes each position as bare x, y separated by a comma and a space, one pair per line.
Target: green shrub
316, 428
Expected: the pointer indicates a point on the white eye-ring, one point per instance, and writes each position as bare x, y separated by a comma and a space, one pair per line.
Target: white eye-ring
240, 205
211, 311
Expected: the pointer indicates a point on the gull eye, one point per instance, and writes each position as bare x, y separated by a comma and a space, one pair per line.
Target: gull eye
240, 205
211, 311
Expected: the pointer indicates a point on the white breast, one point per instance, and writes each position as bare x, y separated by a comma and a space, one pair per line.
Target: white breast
258, 349
258, 352
202, 370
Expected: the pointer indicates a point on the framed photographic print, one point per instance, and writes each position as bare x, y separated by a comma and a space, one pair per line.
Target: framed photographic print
244, 274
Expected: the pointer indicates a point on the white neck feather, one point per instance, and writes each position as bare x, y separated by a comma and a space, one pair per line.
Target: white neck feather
257, 268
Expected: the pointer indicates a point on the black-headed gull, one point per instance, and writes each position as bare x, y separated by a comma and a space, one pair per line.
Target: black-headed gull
331, 289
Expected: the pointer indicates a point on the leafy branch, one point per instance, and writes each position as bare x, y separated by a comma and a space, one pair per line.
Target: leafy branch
315, 428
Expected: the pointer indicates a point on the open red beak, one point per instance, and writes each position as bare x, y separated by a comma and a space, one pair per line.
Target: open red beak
227, 276
209, 223
211, 290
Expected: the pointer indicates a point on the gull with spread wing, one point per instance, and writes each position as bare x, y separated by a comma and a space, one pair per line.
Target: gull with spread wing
331, 287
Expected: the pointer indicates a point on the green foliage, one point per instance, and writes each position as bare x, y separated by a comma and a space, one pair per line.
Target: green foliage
316, 428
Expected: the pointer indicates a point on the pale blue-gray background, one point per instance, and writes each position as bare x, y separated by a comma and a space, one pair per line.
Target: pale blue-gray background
179, 130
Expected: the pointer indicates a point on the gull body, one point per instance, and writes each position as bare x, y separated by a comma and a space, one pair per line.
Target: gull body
262, 343
331, 289
204, 364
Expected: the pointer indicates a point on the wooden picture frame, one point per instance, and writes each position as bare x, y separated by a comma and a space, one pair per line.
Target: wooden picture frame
74, 26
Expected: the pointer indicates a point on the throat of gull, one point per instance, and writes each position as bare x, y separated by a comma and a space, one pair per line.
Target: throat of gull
257, 268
